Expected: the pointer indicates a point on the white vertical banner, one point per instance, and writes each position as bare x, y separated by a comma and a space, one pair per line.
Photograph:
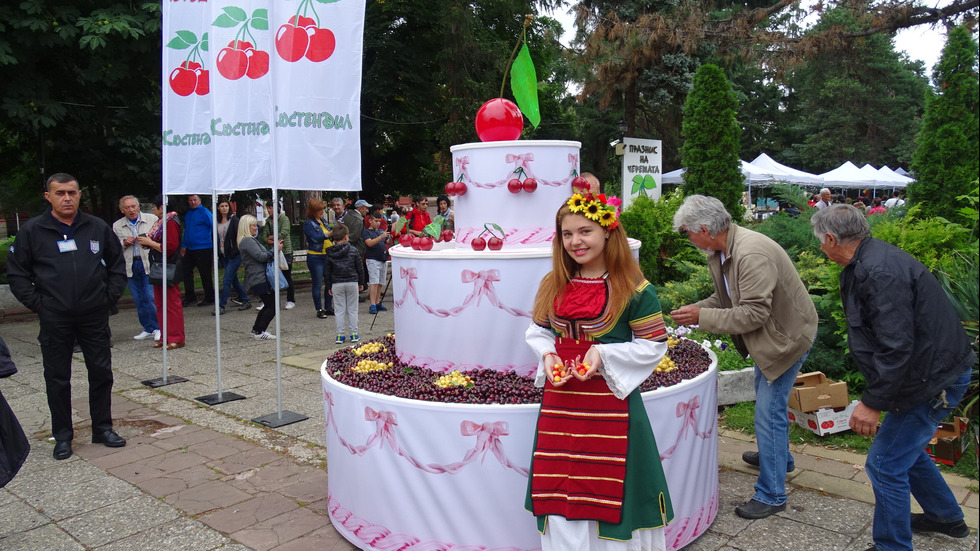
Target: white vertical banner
319, 44
641, 169
241, 124
262, 94
186, 101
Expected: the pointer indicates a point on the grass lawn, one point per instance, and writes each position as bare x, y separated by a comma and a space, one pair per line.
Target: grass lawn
741, 417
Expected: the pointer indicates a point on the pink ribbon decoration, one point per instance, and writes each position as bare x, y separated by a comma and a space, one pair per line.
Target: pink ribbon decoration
688, 412
483, 286
461, 163
521, 160
573, 158
383, 421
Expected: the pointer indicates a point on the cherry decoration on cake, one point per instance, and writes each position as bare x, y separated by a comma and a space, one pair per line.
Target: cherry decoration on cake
501, 119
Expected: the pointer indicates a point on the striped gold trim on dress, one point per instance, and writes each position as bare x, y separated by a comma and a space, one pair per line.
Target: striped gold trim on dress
583, 457
584, 414
567, 497
583, 435
606, 478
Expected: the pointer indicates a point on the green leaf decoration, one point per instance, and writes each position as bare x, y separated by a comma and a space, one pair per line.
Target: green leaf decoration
204, 42
524, 85
178, 43
261, 13
397, 227
187, 36
642, 183
236, 13
496, 227
435, 227
260, 24
225, 21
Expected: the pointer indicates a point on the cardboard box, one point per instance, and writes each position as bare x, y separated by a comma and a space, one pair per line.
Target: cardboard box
949, 442
824, 420
813, 391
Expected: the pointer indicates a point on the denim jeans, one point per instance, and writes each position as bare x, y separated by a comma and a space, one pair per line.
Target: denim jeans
898, 464
142, 292
230, 280
772, 433
316, 263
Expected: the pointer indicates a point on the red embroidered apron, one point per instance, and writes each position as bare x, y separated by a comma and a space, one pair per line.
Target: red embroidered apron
580, 458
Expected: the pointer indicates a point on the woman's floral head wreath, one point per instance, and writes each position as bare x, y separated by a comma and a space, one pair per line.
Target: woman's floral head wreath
598, 208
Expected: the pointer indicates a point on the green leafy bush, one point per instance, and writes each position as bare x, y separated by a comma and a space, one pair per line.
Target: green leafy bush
694, 285
4, 251
662, 251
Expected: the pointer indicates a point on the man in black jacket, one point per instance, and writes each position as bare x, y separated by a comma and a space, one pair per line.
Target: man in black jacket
909, 343
67, 266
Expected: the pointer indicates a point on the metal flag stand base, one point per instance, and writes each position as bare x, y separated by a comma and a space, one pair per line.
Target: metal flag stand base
220, 398
280, 419
164, 381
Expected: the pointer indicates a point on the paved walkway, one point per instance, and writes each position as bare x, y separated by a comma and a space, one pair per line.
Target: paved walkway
196, 477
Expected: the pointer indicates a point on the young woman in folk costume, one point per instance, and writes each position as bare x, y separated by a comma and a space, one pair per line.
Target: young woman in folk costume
596, 480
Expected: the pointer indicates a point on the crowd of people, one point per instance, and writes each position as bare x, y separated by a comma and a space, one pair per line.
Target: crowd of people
597, 329
865, 203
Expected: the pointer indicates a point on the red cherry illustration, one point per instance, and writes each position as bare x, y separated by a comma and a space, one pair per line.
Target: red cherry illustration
579, 183
451, 189
530, 184
460, 189
514, 185
499, 119
478, 243
258, 63
405, 240
417, 243
495, 243
321, 44
183, 81
425, 243
446, 236
203, 82
232, 63
292, 41
301, 21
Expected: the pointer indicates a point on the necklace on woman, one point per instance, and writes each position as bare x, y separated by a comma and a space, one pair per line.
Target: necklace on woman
582, 275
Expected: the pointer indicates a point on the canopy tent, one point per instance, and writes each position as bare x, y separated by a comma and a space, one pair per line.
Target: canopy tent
786, 173
754, 175
848, 175
892, 178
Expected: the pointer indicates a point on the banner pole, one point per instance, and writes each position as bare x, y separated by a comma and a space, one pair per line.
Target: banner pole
164, 380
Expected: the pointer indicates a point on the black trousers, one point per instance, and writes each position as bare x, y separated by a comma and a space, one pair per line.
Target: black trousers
200, 259
57, 337
268, 311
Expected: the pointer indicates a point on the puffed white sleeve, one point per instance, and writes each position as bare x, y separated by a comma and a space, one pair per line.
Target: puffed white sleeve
626, 365
541, 341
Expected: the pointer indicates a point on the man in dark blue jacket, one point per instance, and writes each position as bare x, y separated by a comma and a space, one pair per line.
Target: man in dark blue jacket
197, 249
909, 343
67, 266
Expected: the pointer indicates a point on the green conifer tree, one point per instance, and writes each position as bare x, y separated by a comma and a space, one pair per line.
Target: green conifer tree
947, 161
711, 140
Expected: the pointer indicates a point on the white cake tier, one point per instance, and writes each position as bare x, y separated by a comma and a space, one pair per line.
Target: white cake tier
528, 219
462, 309
406, 474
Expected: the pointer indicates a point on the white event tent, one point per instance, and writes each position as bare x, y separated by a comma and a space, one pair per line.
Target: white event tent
791, 174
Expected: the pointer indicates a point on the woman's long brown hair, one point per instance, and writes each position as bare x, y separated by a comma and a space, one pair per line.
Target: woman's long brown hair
624, 272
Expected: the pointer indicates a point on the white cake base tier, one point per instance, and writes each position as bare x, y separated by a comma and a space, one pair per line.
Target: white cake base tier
466, 310
411, 475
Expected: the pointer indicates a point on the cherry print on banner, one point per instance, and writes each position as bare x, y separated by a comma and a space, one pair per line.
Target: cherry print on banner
302, 36
190, 77
240, 57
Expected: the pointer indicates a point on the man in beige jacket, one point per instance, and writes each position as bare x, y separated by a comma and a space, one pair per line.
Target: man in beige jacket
132, 225
761, 302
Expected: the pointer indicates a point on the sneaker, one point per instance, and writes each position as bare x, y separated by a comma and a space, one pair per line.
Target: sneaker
156, 335
329, 311
260, 306
373, 309
221, 311
237, 301
290, 305
245, 306
340, 339
321, 314
143, 335
263, 336
381, 307
354, 338
958, 529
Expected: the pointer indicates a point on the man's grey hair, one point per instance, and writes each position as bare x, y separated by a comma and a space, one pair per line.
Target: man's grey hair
844, 222
824, 190
335, 199
701, 210
125, 198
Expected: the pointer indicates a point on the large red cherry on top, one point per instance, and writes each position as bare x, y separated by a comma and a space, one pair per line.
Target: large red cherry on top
232, 61
498, 120
301, 37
